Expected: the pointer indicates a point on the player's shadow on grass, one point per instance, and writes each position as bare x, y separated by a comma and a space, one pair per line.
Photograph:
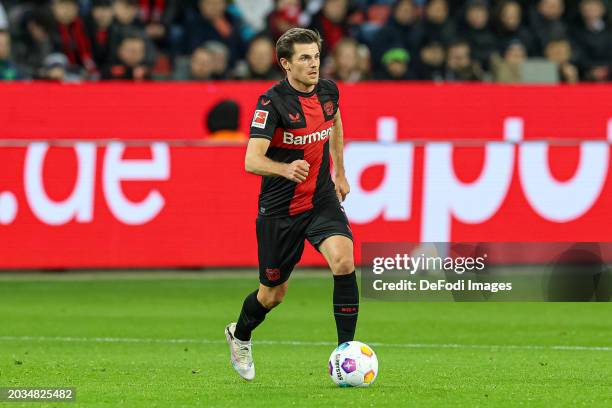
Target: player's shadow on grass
579, 274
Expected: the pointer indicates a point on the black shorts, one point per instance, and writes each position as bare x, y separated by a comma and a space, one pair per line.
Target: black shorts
280, 240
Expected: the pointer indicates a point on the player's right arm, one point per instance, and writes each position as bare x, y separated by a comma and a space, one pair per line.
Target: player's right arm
256, 162
265, 121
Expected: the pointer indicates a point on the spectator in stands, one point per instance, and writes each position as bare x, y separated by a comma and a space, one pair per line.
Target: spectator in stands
430, 64
126, 14
73, 41
260, 63
8, 68
213, 23
344, 65
126, 24
331, 23
34, 42
475, 28
593, 38
507, 68
509, 27
459, 63
42, 27
254, 13
157, 16
222, 122
286, 15
131, 60
395, 66
400, 31
436, 27
559, 51
364, 61
547, 23
201, 67
99, 24
57, 68
220, 59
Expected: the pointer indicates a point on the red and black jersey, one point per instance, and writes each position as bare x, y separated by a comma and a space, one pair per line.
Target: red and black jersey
298, 126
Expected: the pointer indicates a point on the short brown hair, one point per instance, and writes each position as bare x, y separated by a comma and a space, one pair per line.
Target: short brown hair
284, 45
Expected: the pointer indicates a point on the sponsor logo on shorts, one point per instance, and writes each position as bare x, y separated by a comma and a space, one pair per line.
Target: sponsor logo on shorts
259, 119
273, 274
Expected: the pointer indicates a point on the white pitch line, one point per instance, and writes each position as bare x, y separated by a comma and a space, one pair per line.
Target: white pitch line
305, 343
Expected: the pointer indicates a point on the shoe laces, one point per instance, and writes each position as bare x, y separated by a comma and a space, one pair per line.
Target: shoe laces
244, 353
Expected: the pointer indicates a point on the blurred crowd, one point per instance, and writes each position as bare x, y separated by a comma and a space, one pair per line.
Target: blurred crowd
439, 40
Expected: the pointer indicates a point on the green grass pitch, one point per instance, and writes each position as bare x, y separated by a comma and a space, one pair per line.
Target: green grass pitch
156, 340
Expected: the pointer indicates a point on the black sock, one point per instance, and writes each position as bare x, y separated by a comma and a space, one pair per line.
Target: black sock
251, 315
346, 306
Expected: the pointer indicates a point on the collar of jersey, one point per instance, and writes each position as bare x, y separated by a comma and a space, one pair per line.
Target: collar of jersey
293, 90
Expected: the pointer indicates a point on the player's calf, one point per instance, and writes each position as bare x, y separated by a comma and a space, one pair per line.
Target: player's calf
270, 297
338, 251
251, 316
255, 308
346, 306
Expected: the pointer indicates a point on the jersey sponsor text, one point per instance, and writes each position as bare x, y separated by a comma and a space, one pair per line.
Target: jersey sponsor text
291, 139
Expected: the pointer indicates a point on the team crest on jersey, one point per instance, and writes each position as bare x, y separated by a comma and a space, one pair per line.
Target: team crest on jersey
328, 107
273, 274
259, 119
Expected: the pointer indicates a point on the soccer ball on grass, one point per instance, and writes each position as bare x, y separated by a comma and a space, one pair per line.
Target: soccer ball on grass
353, 364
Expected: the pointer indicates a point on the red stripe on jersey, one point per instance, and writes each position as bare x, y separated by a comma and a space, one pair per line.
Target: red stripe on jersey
313, 154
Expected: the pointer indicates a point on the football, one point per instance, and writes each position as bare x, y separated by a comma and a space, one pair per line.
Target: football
353, 364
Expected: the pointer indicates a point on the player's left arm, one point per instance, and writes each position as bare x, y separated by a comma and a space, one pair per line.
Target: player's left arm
336, 147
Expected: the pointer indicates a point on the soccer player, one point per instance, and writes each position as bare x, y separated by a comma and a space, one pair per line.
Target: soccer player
295, 127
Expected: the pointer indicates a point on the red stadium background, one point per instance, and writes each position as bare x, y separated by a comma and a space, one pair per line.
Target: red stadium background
425, 162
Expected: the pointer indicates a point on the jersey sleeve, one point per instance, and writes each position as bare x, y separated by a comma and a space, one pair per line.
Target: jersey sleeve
330, 97
265, 119
335, 97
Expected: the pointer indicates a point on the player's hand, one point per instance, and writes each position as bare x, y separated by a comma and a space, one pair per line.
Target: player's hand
342, 188
297, 171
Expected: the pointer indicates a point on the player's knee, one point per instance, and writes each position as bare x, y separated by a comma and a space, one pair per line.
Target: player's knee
270, 302
272, 297
343, 265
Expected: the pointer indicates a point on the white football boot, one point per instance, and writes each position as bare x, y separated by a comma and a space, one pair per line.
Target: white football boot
241, 355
